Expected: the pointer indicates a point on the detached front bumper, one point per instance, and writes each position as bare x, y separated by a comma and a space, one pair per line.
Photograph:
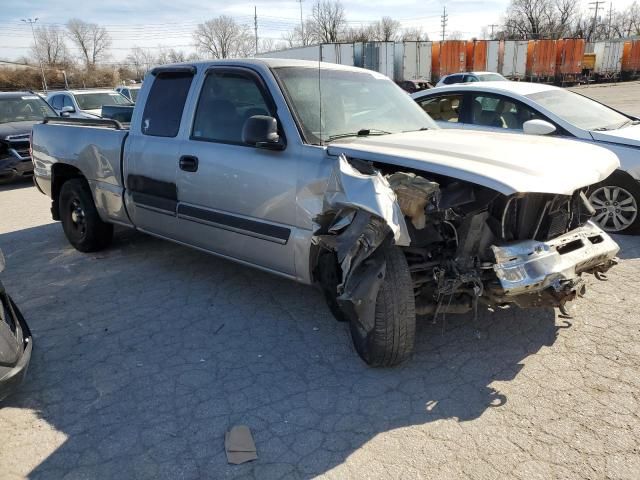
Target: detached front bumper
16, 345
556, 265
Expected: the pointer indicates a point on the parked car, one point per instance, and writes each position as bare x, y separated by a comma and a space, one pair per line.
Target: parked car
332, 175
536, 108
85, 103
129, 91
470, 77
16, 343
18, 112
412, 86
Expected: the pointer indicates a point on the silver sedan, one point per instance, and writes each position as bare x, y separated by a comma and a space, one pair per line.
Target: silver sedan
539, 109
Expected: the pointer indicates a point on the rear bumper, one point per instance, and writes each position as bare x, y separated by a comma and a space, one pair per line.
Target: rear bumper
531, 266
12, 376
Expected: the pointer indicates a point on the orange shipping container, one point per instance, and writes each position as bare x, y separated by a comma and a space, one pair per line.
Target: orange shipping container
448, 57
569, 54
541, 58
631, 56
476, 53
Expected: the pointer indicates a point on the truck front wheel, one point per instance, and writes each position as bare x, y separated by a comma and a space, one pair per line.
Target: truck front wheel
389, 339
81, 223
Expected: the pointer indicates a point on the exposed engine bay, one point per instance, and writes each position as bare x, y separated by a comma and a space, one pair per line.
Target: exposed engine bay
465, 244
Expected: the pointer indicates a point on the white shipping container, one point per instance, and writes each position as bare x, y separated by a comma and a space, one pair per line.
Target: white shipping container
608, 57
412, 61
493, 56
341, 53
377, 56
514, 62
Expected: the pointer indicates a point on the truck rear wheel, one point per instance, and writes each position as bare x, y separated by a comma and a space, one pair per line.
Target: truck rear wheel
81, 223
390, 338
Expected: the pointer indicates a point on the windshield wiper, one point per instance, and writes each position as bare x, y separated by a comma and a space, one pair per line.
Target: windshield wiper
364, 132
623, 124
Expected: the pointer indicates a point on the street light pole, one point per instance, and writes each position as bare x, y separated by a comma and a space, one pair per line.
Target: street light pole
31, 21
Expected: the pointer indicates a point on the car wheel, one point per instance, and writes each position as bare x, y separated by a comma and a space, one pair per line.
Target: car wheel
389, 339
616, 202
81, 223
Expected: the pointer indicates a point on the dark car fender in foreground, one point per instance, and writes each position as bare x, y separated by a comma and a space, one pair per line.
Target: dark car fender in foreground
16, 344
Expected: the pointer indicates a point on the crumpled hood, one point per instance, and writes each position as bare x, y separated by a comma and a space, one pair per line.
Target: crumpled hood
623, 136
504, 162
16, 128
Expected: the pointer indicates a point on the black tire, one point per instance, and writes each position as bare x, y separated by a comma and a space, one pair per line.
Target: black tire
627, 196
392, 337
330, 278
81, 223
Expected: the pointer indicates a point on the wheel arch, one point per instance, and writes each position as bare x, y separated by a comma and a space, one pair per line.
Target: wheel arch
61, 173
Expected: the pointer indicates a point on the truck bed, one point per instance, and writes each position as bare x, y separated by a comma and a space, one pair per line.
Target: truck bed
92, 146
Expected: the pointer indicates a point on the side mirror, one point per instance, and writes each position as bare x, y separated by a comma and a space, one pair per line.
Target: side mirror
66, 111
261, 131
538, 127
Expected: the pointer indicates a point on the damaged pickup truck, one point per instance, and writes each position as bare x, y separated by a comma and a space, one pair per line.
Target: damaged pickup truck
333, 176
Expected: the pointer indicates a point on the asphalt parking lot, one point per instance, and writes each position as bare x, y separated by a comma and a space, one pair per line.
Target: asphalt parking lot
146, 353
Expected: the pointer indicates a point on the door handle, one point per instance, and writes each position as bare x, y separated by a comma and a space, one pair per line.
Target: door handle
188, 163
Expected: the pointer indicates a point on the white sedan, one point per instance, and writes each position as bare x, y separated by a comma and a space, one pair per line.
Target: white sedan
539, 109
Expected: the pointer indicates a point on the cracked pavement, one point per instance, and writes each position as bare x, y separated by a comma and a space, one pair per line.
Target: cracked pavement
146, 353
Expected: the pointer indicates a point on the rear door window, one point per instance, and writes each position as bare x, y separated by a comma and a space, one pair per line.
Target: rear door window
500, 112
444, 108
165, 104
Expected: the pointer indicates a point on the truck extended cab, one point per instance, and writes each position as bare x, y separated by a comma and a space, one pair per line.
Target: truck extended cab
331, 175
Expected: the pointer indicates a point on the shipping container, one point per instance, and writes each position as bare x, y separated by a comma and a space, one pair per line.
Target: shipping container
448, 57
514, 58
412, 61
493, 56
377, 56
341, 53
631, 58
608, 58
588, 62
569, 55
541, 59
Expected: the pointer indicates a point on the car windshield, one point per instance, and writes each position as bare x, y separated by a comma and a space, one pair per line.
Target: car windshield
24, 108
578, 110
491, 77
95, 100
353, 103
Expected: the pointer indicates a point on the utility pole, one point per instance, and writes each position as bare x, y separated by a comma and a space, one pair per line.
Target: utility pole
301, 25
31, 21
597, 4
443, 22
493, 25
610, 19
255, 25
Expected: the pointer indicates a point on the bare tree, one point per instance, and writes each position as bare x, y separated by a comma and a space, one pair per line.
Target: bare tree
171, 56
534, 19
414, 35
455, 35
141, 60
387, 29
298, 38
222, 37
360, 34
327, 21
50, 48
92, 40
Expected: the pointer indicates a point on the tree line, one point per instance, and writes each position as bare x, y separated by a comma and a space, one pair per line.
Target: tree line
81, 51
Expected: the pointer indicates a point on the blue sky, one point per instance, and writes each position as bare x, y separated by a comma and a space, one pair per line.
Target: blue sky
168, 23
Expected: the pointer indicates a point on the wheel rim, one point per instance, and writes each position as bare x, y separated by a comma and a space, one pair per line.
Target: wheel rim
616, 208
78, 218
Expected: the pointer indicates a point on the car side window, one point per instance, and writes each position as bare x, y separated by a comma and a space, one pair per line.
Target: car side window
500, 112
227, 100
56, 102
66, 101
443, 108
470, 78
165, 104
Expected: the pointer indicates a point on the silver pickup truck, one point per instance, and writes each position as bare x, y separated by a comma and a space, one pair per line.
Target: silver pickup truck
333, 176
